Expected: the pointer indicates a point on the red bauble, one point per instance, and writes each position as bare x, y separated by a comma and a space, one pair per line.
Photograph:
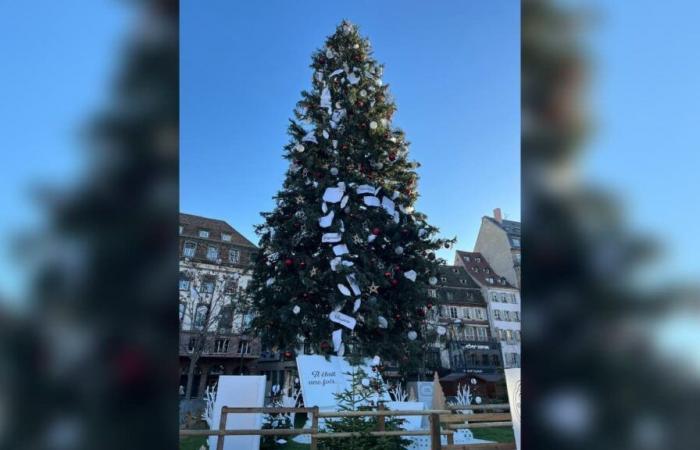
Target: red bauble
376, 231
302, 264
397, 317
387, 274
394, 282
360, 104
363, 125
289, 262
430, 306
392, 156
325, 345
344, 146
288, 354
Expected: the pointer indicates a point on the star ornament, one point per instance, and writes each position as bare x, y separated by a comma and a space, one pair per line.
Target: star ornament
314, 271
357, 239
299, 199
373, 288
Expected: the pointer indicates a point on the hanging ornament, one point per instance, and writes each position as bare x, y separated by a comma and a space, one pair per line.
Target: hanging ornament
363, 93
373, 125
394, 282
376, 231
365, 382
373, 289
299, 148
296, 309
392, 156
334, 171
398, 250
441, 330
412, 335
432, 280
289, 262
329, 54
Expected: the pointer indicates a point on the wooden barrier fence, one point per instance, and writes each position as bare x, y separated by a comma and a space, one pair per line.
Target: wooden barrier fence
442, 422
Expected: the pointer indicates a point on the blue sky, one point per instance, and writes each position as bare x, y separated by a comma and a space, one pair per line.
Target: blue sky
454, 71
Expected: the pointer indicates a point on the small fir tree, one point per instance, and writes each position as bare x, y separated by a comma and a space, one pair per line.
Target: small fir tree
365, 393
344, 249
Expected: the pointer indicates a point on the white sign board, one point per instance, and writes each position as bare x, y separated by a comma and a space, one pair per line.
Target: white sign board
239, 391
321, 379
513, 384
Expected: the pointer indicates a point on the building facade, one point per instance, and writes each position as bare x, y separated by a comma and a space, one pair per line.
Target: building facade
215, 266
468, 350
499, 242
503, 304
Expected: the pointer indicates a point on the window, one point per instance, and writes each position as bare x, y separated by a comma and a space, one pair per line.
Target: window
481, 333
449, 295
225, 237
517, 257
221, 345
516, 242
468, 313
181, 228
471, 358
207, 286
253, 257
243, 347
184, 283
463, 281
191, 344
516, 335
495, 360
515, 315
509, 335
469, 333
200, 316
494, 297
234, 255
466, 259
480, 313
443, 279
484, 359
189, 250
497, 314
513, 299
454, 270
226, 319
478, 259
503, 298
506, 315
183, 308
212, 253
453, 312
489, 280
203, 233
432, 293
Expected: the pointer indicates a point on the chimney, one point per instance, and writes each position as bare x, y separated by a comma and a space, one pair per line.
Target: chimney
497, 215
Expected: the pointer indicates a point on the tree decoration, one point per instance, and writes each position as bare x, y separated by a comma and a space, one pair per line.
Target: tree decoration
370, 253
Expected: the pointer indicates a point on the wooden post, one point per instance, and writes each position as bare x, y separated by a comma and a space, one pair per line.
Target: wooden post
222, 426
435, 432
314, 427
380, 419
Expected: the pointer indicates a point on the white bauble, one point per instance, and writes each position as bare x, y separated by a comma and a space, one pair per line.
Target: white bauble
363, 93
365, 382
412, 335
432, 281
299, 148
373, 125
334, 171
398, 250
477, 400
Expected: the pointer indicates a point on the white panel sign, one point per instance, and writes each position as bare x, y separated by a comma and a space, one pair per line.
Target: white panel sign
513, 384
239, 391
321, 379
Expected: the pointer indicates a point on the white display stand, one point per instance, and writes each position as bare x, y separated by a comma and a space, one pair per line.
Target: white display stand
513, 384
238, 391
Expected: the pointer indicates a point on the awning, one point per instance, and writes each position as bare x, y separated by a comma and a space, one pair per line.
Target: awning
488, 377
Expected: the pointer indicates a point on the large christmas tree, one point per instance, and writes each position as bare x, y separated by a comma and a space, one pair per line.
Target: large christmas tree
346, 261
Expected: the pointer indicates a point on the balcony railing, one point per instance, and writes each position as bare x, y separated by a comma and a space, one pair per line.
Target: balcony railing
221, 345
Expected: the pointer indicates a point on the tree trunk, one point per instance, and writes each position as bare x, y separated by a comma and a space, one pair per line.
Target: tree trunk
190, 377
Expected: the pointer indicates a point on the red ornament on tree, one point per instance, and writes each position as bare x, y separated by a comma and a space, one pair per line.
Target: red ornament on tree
325, 346
288, 354
302, 264
394, 282
430, 306
289, 262
376, 231
392, 156
387, 274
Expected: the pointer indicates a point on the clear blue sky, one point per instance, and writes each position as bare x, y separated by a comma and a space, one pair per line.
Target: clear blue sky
453, 67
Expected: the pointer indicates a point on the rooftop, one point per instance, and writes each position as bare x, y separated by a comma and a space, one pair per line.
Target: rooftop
479, 269
191, 225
